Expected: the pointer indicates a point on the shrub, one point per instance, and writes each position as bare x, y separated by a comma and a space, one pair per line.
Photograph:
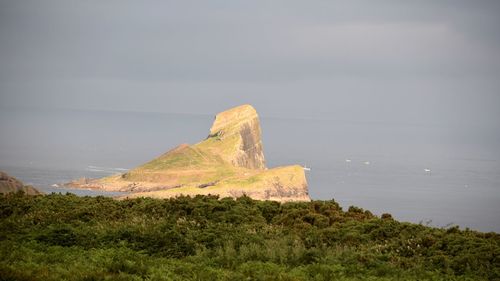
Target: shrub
65, 237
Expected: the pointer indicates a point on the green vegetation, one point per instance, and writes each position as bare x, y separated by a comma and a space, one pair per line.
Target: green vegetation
65, 237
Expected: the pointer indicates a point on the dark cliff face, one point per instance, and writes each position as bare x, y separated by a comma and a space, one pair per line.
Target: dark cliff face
253, 157
9, 184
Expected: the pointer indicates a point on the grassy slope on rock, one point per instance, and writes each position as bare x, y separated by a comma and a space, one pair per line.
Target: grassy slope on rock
239, 182
65, 237
202, 163
183, 165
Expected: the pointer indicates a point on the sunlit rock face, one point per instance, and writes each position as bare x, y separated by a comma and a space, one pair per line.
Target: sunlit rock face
230, 162
241, 123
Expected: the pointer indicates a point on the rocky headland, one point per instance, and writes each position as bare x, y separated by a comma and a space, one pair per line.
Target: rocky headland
230, 162
9, 184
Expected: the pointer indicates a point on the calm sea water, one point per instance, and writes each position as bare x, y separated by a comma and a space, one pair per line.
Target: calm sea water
382, 167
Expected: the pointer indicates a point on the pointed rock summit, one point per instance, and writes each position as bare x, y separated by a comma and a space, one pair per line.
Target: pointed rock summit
240, 127
230, 162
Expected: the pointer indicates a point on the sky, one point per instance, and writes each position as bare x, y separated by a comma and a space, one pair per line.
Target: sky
408, 62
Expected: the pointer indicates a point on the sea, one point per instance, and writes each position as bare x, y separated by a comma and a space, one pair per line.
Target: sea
422, 173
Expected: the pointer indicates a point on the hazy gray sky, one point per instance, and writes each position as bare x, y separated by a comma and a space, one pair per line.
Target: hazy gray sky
434, 62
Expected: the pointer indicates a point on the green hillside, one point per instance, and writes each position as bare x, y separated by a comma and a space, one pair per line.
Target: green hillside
65, 237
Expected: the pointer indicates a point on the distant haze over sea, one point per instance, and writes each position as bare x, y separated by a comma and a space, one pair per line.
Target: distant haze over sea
416, 172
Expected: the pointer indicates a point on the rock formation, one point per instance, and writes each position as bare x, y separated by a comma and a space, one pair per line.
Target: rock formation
230, 162
9, 184
241, 127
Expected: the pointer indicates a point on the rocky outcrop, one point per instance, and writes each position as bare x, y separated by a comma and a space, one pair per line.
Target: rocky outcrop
229, 162
9, 184
282, 184
240, 127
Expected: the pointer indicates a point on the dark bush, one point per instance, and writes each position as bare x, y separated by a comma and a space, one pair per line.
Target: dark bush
58, 235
